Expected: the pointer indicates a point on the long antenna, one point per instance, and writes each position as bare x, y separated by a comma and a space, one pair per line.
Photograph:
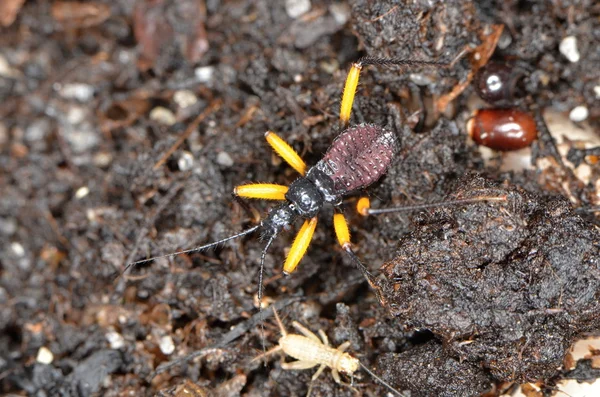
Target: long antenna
201, 248
381, 380
260, 289
376, 211
365, 61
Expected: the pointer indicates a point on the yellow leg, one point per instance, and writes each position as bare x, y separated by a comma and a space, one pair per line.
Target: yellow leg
265, 191
300, 245
349, 92
341, 229
286, 152
354, 74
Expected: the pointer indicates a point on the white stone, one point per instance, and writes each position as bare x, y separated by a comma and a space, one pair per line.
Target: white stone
204, 73
340, 12
76, 115
166, 345
115, 339
79, 91
224, 159
568, 47
185, 98
82, 192
44, 356
185, 161
5, 69
296, 8
17, 249
579, 114
163, 116
597, 91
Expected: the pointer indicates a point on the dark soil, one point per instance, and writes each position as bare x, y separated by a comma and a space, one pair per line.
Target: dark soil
92, 177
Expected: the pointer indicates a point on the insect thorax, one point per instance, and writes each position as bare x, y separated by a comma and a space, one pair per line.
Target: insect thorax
305, 198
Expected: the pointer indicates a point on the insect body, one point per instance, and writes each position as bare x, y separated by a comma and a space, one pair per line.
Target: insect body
310, 351
357, 157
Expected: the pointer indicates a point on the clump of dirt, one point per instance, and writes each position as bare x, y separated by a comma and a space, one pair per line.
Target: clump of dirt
507, 286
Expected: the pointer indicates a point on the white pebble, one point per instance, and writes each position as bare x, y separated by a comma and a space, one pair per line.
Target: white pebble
340, 12
163, 116
44, 356
579, 114
568, 47
76, 115
79, 91
296, 8
224, 159
166, 345
82, 192
597, 91
204, 73
185, 161
115, 340
17, 249
5, 69
185, 98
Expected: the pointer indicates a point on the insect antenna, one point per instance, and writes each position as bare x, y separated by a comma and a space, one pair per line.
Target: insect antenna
196, 249
366, 61
447, 203
260, 289
378, 379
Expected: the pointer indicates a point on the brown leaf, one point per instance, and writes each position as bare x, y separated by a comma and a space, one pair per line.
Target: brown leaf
9, 10
79, 15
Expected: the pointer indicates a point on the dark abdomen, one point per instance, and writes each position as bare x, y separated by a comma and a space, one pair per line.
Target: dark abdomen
358, 157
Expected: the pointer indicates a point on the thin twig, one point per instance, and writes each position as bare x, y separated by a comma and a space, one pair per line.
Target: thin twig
209, 110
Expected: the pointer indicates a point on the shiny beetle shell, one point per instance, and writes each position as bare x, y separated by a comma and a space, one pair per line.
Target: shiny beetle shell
502, 129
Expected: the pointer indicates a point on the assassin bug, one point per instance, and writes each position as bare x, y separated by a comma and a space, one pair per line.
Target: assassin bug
310, 351
359, 156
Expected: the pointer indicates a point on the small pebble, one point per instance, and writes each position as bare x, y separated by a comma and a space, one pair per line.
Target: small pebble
185, 161
17, 249
204, 73
8, 227
82, 139
185, 98
5, 69
340, 12
579, 114
44, 356
76, 115
296, 8
37, 130
421, 79
102, 159
166, 345
505, 39
115, 340
224, 159
79, 91
82, 192
568, 47
597, 91
163, 116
